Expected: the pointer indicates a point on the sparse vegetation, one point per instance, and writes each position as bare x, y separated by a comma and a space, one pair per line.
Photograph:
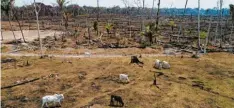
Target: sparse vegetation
139, 56
216, 74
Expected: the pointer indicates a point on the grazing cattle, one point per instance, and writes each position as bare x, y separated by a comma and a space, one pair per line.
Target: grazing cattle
87, 53
165, 65
158, 64
116, 99
56, 98
123, 77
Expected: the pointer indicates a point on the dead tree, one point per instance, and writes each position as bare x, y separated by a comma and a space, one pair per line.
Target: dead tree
199, 39
208, 34
127, 5
7, 6
157, 19
181, 22
217, 25
37, 10
232, 17
17, 19
142, 18
220, 21
98, 15
151, 13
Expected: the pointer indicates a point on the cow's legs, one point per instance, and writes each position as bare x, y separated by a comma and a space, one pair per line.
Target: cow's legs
46, 104
42, 106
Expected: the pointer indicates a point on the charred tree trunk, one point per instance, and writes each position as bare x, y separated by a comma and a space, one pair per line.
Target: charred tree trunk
134, 59
220, 21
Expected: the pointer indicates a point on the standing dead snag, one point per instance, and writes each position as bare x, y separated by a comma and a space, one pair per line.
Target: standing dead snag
157, 19
134, 59
37, 9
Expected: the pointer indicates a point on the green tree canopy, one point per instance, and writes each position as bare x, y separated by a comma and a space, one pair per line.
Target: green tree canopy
5, 6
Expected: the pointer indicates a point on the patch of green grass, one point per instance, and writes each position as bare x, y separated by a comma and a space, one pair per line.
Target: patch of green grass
4, 49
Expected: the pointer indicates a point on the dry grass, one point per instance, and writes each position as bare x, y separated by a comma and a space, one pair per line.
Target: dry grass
121, 51
216, 71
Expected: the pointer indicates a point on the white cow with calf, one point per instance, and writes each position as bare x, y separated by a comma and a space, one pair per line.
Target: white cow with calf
56, 98
161, 64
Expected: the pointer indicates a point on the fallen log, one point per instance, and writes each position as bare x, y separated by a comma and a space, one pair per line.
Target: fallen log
22, 83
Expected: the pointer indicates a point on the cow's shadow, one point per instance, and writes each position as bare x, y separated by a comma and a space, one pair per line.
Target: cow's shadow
115, 106
57, 106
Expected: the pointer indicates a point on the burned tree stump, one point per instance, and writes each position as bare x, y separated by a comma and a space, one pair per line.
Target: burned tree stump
155, 80
134, 59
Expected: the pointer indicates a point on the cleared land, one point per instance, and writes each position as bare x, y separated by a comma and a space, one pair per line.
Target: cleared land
91, 81
30, 35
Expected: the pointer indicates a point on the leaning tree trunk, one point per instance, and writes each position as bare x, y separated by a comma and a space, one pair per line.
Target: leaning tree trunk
208, 34
157, 20
9, 20
16, 17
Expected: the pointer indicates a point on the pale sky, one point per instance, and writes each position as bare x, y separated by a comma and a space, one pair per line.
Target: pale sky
110, 3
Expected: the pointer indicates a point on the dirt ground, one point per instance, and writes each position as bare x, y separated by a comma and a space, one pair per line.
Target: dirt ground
29, 35
88, 81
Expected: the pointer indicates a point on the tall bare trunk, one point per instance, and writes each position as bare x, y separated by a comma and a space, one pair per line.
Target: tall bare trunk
20, 27
98, 15
208, 34
157, 20
9, 20
38, 26
151, 13
181, 21
230, 37
220, 21
199, 40
142, 16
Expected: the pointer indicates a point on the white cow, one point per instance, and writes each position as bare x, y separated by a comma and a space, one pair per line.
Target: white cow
56, 98
123, 77
165, 65
87, 53
158, 64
